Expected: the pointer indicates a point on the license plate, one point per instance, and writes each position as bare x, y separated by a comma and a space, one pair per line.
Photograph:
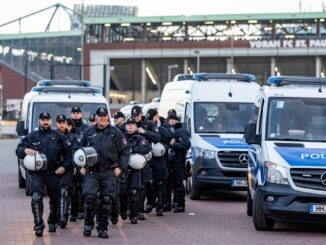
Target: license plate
317, 208
239, 183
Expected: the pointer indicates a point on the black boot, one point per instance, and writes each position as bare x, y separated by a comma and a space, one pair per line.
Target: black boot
115, 211
80, 214
133, 205
37, 209
53, 216
142, 195
160, 203
89, 221
105, 214
64, 205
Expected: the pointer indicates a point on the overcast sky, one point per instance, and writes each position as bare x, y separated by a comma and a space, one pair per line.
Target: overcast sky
13, 9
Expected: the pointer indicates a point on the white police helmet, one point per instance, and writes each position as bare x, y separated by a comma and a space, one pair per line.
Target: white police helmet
36, 162
85, 156
137, 161
158, 149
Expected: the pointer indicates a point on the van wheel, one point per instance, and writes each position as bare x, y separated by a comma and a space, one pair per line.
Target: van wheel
249, 203
195, 191
260, 219
28, 184
21, 180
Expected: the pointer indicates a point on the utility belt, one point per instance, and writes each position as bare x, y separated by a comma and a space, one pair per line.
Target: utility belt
97, 168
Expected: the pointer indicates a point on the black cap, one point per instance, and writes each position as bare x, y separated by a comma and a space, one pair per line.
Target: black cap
44, 115
118, 115
172, 112
173, 116
75, 109
101, 111
92, 117
131, 120
61, 118
136, 110
151, 113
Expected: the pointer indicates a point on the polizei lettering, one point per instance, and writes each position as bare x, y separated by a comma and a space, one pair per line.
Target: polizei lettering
314, 156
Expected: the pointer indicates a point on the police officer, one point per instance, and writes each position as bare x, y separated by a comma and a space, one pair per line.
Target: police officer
120, 204
179, 144
159, 164
151, 133
77, 117
119, 121
92, 120
57, 150
77, 201
138, 145
113, 156
65, 184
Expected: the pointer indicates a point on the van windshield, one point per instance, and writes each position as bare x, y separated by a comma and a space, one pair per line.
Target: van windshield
56, 108
296, 119
221, 117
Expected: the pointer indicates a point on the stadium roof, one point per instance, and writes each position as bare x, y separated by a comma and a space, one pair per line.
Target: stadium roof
200, 18
40, 35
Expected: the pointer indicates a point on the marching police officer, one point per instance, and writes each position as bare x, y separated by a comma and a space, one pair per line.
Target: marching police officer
113, 156
65, 184
57, 150
179, 144
151, 133
92, 120
77, 201
138, 145
159, 164
119, 121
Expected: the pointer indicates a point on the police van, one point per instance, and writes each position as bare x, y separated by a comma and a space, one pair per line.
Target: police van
55, 97
215, 108
287, 164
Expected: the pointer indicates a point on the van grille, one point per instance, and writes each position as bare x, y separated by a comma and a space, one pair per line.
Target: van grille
309, 178
233, 159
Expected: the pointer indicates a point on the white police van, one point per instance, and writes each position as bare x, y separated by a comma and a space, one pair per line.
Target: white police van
287, 164
215, 108
55, 97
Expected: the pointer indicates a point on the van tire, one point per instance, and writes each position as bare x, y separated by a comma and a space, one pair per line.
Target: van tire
195, 191
28, 184
260, 219
21, 180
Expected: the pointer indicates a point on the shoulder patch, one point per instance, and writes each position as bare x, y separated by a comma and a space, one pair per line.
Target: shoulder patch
124, 141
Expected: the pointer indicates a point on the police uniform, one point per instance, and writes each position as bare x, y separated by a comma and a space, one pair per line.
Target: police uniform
57, 149
138, 145
159, 168
113, 152
180, 147
152, 134
77, 201
65, 184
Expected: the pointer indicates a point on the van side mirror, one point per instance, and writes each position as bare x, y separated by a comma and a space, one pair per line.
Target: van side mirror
20, 128
250, 134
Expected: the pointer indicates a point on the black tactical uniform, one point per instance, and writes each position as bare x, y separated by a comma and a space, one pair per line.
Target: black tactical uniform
159, 168
57, 149
77, 200
138, 145
180, 147
152, 135
113, 152
65, 184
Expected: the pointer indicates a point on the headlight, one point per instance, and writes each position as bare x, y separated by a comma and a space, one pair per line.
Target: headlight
207, 154
275, 173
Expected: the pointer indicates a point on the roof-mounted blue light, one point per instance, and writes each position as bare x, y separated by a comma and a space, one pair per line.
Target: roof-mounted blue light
72, 83
298, 80
224, 76
66, 90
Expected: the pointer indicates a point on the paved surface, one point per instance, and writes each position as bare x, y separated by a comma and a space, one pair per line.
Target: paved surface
218, 219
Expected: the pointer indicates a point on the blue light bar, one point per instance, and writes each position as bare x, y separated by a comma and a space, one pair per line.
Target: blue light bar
66, 90
225, 76
287, 80
72, 83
